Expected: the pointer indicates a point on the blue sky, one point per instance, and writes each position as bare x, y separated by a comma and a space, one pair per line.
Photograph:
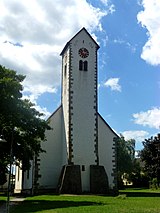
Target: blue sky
33, 33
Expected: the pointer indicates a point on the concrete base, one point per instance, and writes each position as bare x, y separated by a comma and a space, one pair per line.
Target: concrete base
98, 180
70, 180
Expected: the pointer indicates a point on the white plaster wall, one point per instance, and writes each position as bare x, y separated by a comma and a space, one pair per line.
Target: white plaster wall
27, 178
83, 112
106, 151
55, 157
65, 93
18, 180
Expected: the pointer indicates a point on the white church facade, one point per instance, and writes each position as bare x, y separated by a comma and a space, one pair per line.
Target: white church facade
80, 152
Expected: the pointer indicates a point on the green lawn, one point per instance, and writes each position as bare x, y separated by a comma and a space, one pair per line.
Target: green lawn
129, 201
2, 198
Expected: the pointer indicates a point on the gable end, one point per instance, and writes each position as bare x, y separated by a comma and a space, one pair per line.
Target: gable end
68, 43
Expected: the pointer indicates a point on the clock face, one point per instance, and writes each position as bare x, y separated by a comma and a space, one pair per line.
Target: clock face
83, 52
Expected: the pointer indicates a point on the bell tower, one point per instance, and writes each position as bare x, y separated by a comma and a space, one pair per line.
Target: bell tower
80, 147
79, 102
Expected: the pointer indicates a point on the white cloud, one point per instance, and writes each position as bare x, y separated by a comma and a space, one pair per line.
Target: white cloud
137, 135
126, 43
107, 3
150, 19
41, 29
150, 118
113, 83
43, 110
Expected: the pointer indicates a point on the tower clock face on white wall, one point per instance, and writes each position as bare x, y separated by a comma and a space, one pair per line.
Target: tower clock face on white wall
83, 52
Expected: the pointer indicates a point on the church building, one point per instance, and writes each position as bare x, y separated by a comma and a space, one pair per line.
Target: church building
80, 152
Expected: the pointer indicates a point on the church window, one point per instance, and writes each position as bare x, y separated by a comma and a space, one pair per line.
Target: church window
80, 65
83, 168
18, 171
83, 65
28, 174
65, 70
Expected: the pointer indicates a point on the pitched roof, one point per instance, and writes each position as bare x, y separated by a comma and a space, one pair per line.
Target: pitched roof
116, 135
67, 44
54, 113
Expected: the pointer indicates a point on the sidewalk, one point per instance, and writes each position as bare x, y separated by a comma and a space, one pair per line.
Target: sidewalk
13, 201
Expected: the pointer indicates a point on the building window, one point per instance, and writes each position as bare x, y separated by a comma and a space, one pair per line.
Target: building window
83, 65
18, 172
28, 174
83, 168
65, 70
80, 65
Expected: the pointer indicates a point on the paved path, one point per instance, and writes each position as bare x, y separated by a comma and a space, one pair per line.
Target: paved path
13, 201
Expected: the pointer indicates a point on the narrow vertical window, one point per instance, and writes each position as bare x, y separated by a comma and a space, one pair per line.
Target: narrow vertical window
80, 65
83, 168
65, 70
85, 66
18, 172
28, 174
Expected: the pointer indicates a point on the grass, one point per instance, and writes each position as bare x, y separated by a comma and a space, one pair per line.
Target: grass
129, 201
2, 198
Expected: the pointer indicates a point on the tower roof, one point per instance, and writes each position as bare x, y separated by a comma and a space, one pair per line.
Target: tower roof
67, 44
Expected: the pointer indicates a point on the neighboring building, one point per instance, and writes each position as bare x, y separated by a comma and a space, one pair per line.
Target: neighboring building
80, 151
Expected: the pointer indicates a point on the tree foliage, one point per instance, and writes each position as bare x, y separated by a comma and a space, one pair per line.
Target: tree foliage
19, 120
3, 171
150, 155
125, 154
125, 157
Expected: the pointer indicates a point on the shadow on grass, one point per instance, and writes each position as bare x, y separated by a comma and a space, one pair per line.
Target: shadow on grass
1, 202
40, 205
140, 194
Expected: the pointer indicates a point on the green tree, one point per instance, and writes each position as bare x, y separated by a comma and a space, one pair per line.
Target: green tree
138, 177
19, 120
150, 155
125, 157
3, 171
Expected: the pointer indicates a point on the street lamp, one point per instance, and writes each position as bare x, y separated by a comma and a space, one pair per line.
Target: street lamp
3, 140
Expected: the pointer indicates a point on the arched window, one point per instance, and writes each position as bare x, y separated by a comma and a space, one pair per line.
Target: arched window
83, 66
85, 63
80, 65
